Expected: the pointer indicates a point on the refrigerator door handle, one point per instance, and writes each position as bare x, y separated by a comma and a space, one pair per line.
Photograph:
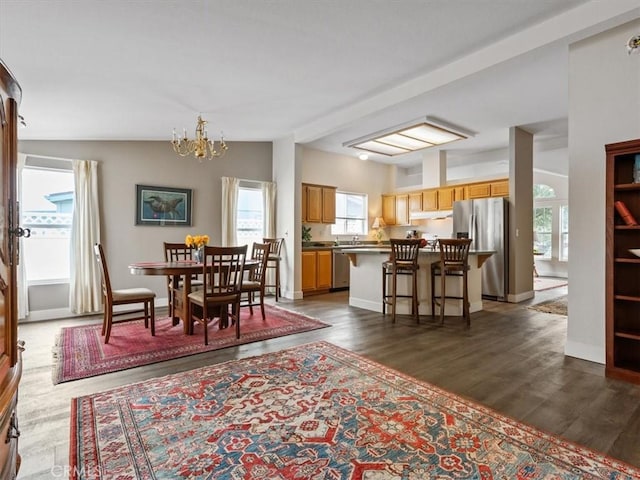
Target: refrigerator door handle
472, 226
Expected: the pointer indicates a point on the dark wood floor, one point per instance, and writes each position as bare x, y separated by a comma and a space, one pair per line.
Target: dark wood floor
511, 360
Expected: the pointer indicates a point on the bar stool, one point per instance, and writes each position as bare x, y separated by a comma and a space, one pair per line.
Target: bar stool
403, 261
454, 261
274, 263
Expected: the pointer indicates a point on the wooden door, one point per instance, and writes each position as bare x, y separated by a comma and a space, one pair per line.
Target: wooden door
314, 204
324, 262
445, 198
389, 209
10, 364
328, 205
10, 95
309, 271
415, 202
430, 200
402, 209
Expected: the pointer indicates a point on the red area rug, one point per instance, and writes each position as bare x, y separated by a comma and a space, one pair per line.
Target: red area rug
80, 351
312, 412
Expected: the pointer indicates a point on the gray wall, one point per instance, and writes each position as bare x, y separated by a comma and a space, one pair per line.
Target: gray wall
125, 164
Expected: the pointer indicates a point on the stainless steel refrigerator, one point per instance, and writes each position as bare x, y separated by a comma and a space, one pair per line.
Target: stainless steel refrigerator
486, 221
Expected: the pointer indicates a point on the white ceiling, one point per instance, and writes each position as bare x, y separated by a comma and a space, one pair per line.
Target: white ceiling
322, 71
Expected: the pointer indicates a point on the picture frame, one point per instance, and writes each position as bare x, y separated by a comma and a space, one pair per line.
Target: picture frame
163, 206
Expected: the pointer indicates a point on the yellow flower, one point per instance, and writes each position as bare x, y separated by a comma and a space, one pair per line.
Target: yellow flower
197, 241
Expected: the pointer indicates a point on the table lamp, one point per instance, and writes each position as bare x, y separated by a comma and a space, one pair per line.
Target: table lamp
378, 225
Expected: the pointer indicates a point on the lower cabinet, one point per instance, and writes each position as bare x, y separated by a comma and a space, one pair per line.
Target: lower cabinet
316, 271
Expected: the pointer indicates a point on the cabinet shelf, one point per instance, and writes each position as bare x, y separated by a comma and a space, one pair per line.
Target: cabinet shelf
629, 335
627, 227
627, 186
628, 298
627, 260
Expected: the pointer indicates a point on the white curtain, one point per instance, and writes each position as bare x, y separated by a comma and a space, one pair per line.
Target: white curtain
269, 202
23, 287
85, 292
229, 210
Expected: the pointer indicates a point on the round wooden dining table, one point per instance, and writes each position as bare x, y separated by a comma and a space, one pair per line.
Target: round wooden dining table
181, 272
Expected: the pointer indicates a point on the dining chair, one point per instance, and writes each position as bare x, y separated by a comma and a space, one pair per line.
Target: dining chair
255, 284
274, 263
124, 296
222, 272
177, 252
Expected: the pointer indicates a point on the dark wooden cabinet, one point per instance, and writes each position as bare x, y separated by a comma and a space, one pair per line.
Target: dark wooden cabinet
10, 356
622, 266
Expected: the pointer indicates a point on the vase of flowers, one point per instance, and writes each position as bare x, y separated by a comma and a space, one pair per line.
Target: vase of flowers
197, 242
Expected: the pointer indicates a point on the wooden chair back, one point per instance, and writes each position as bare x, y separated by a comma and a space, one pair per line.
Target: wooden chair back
260, 252
104, 271
222, 273
454, 253
176, 252
276, 245
404, 252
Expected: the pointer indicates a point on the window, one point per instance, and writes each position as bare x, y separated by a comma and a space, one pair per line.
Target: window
250, 216
542, 229
351, 214
47, 209
564, 233
550, 224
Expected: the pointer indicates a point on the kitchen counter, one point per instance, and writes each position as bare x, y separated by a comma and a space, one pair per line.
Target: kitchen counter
366, 280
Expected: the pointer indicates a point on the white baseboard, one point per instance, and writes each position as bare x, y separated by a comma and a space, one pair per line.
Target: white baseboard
58, 313
583, 351
520, 297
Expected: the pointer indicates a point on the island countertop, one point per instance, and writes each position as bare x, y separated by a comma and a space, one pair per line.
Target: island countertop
365, 290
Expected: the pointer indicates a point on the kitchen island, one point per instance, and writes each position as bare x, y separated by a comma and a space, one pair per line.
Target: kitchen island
366, 281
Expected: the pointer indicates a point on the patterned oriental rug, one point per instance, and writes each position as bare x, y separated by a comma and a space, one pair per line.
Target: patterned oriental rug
80, 351
312, 412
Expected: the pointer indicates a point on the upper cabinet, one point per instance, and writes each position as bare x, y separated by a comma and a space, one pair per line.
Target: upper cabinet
493, 188
318, 203
395, 209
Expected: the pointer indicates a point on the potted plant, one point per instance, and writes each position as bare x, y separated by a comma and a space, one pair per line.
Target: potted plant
306, 236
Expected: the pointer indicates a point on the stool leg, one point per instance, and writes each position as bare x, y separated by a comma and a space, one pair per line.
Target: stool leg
384, 290
443, 287
394, 285
465, 298
416, 303
433, 294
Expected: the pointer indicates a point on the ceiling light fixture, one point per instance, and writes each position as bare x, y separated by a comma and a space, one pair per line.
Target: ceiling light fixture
633, 44
201, 146
363, 156
423, 133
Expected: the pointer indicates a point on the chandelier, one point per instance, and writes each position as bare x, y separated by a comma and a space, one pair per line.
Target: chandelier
201, 146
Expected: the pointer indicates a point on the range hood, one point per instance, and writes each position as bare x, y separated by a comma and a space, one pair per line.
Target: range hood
430, 215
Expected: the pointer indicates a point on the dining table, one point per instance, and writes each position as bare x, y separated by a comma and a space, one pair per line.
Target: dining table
181, 272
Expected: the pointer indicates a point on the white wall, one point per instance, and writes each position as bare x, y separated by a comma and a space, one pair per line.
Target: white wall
122, 165
604, 107
348, 174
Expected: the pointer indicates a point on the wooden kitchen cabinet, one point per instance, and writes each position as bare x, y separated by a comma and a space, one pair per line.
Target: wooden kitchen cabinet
318, 203
446, 196
458, 193
500, 189
395, 209
389, 209
622, 292
316, 271
477, 190
429, 200
402, 209
415, 202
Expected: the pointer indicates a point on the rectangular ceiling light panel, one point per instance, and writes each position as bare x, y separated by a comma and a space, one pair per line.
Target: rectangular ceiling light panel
409, 139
